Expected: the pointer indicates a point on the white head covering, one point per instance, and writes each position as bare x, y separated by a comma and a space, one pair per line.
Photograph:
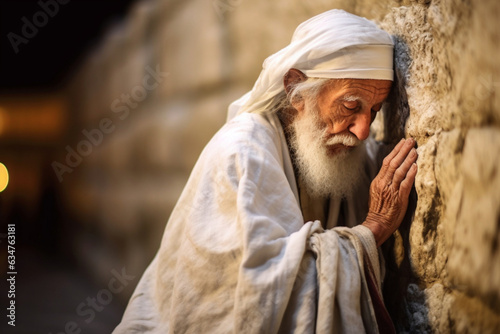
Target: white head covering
334, 44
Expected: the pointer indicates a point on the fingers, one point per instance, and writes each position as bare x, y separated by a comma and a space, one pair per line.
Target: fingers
402, 170
405, 188
396, 158
391, 155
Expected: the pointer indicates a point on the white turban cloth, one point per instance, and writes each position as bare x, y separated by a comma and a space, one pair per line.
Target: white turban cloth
334, 44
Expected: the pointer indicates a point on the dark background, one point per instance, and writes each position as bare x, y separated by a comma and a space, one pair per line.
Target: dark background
50, 283
50, 57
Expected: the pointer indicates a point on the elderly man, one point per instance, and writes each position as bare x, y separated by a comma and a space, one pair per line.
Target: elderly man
278, 226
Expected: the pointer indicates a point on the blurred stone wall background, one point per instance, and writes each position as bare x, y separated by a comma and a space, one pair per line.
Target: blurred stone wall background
444, 268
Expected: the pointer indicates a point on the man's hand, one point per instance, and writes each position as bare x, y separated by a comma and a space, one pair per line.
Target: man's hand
390, 189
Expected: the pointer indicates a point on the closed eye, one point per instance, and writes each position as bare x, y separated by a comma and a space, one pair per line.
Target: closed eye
351, 108
351, 105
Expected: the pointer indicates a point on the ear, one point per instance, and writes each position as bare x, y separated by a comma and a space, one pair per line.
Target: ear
291, 78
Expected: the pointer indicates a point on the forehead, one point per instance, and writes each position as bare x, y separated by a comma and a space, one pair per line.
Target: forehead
366, 89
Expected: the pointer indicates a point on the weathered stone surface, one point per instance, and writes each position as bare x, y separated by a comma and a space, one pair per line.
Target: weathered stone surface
474, 260
468, 315
258, 29
191, 46
424, 228
453, 113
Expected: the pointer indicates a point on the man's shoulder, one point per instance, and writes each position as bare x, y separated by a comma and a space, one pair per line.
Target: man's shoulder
249, 143
251, 123
248, 130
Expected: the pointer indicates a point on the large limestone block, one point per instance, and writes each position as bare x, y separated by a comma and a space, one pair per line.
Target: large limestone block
452, 75
448, 163
208, 114
156, 147
88, 98
190, 45
138, 23
374, 10
475, 70
425, 247
118, 209
439, 171
260, 28
114, 67
170, 134
467, 315
474, 255
411, 28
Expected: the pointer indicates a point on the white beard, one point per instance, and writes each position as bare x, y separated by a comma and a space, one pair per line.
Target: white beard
325, 174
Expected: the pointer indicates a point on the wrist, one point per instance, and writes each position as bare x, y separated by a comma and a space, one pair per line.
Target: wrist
380, 232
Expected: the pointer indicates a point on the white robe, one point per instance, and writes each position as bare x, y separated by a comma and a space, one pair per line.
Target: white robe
237, 256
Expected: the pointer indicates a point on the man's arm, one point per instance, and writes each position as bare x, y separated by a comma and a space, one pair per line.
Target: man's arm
390, 189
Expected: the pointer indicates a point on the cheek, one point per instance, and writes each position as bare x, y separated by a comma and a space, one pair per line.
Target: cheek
337, 123
328, 117
341, 124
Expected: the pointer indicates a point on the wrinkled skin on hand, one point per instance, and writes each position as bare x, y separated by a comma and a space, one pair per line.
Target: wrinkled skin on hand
390, 189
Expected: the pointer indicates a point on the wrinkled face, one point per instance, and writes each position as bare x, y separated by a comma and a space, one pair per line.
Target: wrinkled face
348, 107
327, 136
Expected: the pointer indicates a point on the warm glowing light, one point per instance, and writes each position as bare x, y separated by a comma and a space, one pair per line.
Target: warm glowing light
4, 177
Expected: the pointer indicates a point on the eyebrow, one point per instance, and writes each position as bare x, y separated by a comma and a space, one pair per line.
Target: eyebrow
352, 98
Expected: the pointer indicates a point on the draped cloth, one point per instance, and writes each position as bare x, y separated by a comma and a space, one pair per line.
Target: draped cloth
237, 257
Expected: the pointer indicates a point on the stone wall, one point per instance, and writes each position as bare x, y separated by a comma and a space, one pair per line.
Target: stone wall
451, 77
161, 82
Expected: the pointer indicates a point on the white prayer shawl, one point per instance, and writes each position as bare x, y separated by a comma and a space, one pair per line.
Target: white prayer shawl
237, 256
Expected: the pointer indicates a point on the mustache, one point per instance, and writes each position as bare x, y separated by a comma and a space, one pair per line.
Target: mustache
344, 139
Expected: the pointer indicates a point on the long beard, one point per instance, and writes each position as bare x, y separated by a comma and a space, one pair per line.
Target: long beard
325, 174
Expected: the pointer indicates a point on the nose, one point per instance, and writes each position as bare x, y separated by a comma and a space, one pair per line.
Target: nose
360, 126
